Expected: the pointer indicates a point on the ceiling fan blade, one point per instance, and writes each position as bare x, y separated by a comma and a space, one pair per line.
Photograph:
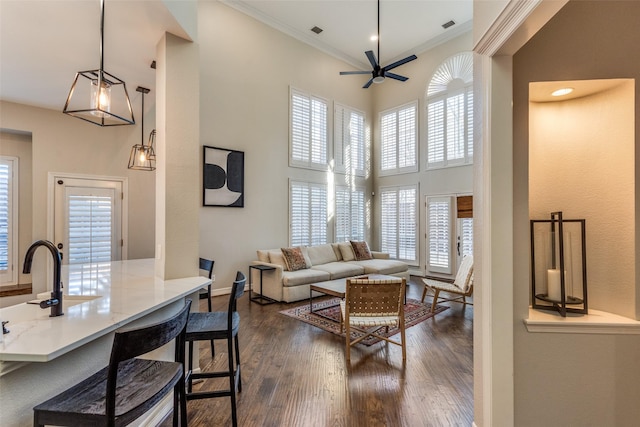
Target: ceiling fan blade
345, 73
396, 76
372, 58
368, 83
399, 63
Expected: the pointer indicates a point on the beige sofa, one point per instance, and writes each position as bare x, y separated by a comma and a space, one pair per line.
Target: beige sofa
325, 262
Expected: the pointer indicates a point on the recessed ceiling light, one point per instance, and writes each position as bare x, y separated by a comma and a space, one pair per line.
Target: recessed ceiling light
316, 30
373, 38
563, 91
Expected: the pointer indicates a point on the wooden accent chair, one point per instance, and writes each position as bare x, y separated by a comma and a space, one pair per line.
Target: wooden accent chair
127, 388
462, 286
218, 325
370, 305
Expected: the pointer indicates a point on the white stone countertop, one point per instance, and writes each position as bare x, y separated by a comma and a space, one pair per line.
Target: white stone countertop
98, 298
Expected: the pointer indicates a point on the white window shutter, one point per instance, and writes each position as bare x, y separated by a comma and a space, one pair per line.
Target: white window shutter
398, 139
90, 225
8, 221
308, 132
399, 222
439, 218
308, 213
349, 214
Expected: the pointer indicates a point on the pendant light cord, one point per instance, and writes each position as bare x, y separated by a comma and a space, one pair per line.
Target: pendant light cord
101, 72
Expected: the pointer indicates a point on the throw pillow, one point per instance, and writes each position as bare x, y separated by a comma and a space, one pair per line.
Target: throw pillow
294, 259
361, 250
347, 251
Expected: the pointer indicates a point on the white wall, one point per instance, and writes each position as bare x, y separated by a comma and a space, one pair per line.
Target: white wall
246, 70
61, 143
572, 379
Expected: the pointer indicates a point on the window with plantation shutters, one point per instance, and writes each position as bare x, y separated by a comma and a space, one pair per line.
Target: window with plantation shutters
439, 244
449, 100
8, 220
307, 213
348, 140
308, 131
398, 222
90, 228
398, 140
349, 214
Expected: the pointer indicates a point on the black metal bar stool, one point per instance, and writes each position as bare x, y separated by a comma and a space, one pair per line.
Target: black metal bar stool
123, 391
224, 325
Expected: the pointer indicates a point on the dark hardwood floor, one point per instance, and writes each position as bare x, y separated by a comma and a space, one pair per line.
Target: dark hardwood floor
294, 374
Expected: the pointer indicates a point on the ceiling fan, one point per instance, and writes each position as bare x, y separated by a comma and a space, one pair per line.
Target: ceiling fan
378, 74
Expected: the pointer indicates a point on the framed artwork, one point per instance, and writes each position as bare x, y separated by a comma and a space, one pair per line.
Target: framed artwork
223, 177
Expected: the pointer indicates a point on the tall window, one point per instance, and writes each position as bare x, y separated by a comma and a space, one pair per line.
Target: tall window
8, 220
308, 133
349, 216
398, 139
450, 113
439, 244
399, 225
348, 140
307, 213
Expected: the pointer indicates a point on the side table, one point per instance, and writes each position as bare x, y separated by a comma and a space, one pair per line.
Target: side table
259, 298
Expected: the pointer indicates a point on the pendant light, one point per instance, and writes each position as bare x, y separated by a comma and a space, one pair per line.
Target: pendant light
143, 157
97, 96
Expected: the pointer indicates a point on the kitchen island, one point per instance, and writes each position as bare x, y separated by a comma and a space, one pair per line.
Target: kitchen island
43, 355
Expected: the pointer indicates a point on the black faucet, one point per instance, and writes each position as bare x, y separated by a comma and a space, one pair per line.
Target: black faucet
56, 295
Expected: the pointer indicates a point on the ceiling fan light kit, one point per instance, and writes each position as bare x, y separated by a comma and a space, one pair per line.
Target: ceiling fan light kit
378, 73
97, 96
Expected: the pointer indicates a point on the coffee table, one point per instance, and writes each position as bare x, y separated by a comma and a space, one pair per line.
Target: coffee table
337, 288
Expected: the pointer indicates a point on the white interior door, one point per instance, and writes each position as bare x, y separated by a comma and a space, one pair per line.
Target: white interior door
88, 220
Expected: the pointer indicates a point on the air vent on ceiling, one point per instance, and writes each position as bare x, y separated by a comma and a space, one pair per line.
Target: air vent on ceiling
316, 30
448, 24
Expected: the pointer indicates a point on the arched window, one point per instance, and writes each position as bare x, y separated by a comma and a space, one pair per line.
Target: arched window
449, 100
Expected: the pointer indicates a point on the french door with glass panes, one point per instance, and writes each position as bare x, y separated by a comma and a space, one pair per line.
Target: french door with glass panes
449, 232
88, 220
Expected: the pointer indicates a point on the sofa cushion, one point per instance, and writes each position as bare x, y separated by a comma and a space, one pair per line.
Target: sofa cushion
276, 257
381, 266
361, 250
263, 255
294, 259
336, 250
303, 277
340, 269
321, 254
347, 251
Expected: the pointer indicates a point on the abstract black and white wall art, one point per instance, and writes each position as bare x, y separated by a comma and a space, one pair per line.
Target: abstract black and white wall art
223, 177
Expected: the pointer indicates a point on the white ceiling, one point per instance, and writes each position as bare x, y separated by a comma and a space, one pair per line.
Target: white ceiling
43, 43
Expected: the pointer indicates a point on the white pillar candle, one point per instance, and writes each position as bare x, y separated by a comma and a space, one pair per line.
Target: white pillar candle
553, 284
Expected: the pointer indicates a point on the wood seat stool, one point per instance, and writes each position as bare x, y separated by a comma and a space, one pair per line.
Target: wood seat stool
123, 391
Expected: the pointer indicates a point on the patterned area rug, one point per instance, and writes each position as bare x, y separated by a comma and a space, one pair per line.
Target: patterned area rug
414, 313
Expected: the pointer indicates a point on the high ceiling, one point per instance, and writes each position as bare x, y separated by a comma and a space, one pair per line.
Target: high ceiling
43, 43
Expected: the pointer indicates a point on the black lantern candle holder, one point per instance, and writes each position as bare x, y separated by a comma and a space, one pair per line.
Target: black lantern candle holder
558, 245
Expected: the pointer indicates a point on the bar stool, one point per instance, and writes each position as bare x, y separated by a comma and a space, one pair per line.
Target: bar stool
207, 265
205, 326
123, 391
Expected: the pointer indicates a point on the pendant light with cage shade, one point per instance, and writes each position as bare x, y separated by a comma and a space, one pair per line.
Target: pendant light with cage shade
99, 97
143, 157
